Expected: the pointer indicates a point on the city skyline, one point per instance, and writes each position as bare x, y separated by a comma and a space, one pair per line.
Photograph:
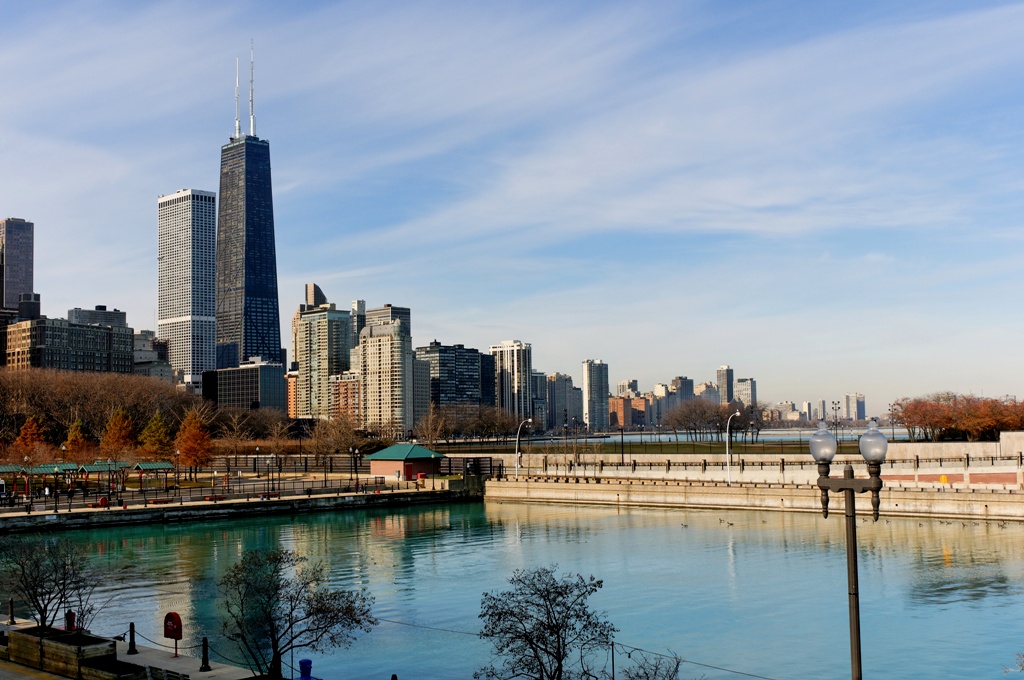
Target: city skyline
827, 203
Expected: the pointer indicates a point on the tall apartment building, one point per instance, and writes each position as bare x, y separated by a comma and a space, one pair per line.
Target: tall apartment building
564, 402
595, 395
539, 390
725, 385
248, 318
358, 320
17, 258
389, 313
746, 391
854, 407
384, 362
707, 391
458, 374
186, 282
627, 388
321, 350
682, 387
513, 368
819, 411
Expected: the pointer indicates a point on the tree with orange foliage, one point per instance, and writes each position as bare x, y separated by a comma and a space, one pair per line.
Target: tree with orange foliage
76, 444
194, 441
29, 439
119, 436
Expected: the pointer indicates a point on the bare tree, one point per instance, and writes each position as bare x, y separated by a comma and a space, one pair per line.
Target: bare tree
49, 576
276, 601
543, 628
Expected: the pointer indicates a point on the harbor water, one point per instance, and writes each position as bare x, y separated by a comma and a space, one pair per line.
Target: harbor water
762, 593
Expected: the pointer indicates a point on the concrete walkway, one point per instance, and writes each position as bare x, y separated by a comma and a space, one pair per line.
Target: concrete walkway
156, 658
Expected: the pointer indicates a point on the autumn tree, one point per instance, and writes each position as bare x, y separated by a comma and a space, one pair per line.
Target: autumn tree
543, 628
76, 444
194, 441
119, 436
276, 602
156, 439
30, 439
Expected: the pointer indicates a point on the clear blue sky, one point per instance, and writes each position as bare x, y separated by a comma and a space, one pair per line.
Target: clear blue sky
825, 195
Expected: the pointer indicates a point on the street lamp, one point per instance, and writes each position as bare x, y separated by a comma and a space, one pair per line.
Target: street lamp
177, 479
354, 473
873, 446
622, 446
56, 494
63, 450
519, 431
270, 474
728, 450
256, 463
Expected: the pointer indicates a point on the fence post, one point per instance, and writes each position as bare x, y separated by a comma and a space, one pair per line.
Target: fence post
205, 668
131, 639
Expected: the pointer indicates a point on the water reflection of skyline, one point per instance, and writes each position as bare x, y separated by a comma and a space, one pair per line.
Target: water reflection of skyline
699, 582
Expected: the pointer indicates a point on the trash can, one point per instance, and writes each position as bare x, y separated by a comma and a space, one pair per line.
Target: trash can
305, 668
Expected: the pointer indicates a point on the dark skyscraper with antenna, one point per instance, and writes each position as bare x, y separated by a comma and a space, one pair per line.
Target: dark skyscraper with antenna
248, 320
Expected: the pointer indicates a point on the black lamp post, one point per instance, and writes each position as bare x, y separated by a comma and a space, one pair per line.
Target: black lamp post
270, 473
519, 456
56, 493
873, 446
622, 446
177, 479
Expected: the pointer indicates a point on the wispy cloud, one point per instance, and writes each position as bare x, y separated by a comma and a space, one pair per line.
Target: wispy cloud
699, 178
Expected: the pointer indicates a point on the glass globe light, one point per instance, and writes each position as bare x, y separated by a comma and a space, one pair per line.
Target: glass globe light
873, 444
823, 444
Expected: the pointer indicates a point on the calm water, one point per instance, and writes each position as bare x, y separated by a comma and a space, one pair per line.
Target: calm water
762, 593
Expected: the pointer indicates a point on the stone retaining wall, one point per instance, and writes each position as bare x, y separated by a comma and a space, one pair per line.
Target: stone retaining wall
989, 504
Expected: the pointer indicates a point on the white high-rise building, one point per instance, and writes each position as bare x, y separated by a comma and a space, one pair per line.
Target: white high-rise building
595, 395
321, 351
187, 270
384, 361
513, 369
853, 406
746, 391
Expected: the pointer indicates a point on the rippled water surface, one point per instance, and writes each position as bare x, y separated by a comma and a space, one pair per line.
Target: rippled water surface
761, 593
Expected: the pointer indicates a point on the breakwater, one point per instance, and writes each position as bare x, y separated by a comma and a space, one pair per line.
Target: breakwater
941, 501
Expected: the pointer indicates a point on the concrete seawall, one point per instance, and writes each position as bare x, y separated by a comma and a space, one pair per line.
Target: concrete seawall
988, 504
13, 522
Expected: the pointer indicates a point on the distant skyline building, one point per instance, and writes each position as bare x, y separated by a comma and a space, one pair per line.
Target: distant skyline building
682, 387
389, 313
248, 318
513, 368
99, 315
564, 402
707, 391
186, 282
321, 351
384, 362
59, 344
746, 391
458, 374
256, 384
595, 395
725, 384
854, 407
17, 260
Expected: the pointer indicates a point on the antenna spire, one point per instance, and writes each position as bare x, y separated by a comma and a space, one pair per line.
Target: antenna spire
238, 127
252, 110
